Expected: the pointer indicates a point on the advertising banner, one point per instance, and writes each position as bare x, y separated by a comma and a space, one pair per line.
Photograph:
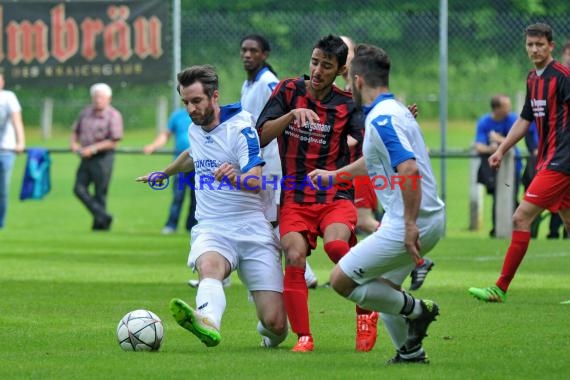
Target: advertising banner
55, 43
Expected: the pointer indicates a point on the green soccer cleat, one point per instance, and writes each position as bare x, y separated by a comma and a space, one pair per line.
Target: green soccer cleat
197, 324
490, 294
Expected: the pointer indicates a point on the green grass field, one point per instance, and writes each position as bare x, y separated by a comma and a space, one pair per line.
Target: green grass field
63, 290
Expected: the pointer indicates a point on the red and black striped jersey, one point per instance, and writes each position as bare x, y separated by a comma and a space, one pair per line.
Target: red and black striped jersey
548, 103
321, 145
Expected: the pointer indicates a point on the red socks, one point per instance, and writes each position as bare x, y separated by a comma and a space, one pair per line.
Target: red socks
336, 249
513, 258
296, 297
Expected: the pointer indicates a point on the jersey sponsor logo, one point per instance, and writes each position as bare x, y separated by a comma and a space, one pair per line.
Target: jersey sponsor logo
531, 195
202, 306
538, 107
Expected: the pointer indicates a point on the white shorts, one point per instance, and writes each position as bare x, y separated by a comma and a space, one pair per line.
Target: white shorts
383, 254
250, 247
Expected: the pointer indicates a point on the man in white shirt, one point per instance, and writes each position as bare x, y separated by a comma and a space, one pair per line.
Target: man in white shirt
232, 231
395, 158
12, 141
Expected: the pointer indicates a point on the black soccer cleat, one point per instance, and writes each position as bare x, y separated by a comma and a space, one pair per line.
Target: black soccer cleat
417, 328
420, 359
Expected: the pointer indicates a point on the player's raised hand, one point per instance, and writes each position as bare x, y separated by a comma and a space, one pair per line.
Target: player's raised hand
495, 160
413, 108
226, 170
304, 115
321, 177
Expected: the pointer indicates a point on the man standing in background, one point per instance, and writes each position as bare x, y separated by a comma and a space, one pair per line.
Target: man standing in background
94, 136
12, 141
178, 127
492, 128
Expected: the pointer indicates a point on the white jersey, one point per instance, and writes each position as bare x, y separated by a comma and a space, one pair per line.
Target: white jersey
393, 136
234, 141
8, 106
254, 95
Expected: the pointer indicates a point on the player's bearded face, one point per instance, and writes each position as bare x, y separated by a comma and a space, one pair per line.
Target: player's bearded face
203, 116
199, 105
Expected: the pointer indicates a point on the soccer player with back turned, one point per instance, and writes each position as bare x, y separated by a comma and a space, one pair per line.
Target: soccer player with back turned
371, 273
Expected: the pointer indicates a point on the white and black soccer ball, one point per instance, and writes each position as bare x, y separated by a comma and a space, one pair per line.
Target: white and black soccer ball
140, 330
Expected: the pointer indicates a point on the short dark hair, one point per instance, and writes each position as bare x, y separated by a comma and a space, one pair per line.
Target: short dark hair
497, 101
539, 29
262, 41
205, 74
265, 47
372, 63
333, 46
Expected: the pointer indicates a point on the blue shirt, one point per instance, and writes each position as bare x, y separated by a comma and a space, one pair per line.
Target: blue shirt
487, 124
178, 124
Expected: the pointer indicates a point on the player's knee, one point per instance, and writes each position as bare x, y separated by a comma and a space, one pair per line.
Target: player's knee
275, 323
336, 249
521, 220
210, 267
341, 283
295, 258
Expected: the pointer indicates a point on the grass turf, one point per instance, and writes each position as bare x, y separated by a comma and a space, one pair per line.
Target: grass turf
64, 289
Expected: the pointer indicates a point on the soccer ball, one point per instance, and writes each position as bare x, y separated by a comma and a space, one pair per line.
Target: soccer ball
140, 330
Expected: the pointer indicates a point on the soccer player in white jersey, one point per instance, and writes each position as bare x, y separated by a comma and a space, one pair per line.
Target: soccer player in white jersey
232, 232
395, 158
256, 89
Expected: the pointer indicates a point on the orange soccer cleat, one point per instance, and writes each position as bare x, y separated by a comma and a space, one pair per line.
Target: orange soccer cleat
304, 344
366, 331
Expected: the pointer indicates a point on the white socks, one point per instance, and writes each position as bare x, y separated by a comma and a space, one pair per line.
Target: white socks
211, 300
376, 295
397, 328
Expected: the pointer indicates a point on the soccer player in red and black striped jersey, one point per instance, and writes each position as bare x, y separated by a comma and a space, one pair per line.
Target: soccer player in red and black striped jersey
548, 103
312, 119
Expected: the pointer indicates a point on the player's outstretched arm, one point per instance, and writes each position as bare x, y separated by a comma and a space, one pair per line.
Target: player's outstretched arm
518, 131
346, 173
182, 164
